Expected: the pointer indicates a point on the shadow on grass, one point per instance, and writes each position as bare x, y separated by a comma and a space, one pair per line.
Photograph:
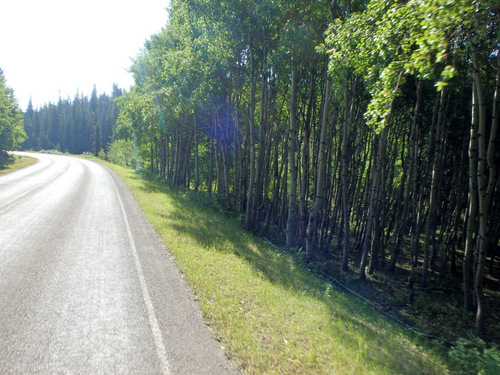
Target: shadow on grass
211, 229
380, 344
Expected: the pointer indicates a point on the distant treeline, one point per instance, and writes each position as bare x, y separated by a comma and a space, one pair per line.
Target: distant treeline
75, 126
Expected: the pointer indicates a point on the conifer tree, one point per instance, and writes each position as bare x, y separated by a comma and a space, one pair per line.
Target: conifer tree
11, 121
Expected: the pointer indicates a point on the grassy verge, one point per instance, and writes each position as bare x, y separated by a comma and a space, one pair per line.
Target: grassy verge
20, 162
269, 312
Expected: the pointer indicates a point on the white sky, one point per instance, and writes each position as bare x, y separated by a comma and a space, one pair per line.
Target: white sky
52, 48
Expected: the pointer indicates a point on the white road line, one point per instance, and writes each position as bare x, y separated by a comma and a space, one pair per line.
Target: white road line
153, 321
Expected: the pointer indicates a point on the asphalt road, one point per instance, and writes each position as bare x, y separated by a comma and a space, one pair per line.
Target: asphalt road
86, 287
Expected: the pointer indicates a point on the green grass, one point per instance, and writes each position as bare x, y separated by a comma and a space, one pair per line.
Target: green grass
20, 162
269, 312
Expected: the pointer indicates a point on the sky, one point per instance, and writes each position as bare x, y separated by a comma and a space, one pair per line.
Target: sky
51, 49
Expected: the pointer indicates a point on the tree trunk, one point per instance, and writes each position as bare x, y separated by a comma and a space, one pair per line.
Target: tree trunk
410, 177
344, 178
379, 193
470, 237
484, 157
238, 163
251, 167
379, 141
291, 225
304, 181
196, 159
312, 225
261, 156
430, 228
211, 166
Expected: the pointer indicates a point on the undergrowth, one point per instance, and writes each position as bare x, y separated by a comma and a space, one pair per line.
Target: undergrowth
472, 356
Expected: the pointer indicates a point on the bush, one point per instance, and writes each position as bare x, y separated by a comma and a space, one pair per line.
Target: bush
473, 356
5, 159
123, 152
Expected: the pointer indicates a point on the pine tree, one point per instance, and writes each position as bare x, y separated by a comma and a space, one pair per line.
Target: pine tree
11, 122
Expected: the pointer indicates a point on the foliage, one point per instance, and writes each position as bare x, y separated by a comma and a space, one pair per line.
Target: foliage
391, 40
123, 152
473, 356
11, 122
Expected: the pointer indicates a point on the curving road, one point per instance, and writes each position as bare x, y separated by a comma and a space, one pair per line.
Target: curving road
86, 286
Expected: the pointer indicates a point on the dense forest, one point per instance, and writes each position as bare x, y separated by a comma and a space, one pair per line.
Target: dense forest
361, 133
75, 126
